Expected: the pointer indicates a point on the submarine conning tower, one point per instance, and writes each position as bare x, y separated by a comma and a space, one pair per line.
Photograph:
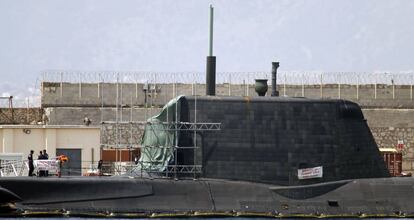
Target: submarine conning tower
272, 139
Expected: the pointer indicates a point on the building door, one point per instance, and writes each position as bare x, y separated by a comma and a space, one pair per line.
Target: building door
73, 167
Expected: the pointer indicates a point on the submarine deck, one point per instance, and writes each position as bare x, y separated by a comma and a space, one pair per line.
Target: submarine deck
379, 196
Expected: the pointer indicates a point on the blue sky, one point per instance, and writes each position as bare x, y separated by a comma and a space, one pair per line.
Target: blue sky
172, 36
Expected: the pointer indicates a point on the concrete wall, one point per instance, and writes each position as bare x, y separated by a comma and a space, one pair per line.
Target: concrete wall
20, 115
15, 140
76, 115
129, 135
389, 126
104, 94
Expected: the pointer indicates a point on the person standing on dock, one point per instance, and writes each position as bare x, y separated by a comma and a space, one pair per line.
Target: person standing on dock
31, 165
41, 157
46, 157
100, 163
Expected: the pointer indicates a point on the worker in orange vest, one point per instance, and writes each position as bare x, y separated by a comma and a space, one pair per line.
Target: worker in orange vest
61, 159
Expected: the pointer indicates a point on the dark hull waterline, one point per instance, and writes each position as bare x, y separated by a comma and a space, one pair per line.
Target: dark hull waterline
140, 196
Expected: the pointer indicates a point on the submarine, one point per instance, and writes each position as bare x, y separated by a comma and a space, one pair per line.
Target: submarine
205, 156
267, 156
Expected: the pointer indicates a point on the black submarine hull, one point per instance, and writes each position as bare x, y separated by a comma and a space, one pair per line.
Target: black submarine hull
377, 196
250, 167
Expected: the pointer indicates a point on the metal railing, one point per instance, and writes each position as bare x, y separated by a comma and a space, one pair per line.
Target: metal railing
133, 169
16, 168
10, 168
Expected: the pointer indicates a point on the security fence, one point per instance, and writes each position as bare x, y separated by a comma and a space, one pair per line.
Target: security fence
235, 83
284, 77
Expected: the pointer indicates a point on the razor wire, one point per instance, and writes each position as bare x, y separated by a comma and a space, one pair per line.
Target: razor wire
284, 77
26, 102
231, 78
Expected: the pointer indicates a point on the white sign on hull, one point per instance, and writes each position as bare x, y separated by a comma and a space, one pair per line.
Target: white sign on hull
310, 173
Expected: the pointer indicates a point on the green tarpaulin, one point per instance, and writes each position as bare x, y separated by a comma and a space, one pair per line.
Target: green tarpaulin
158, 141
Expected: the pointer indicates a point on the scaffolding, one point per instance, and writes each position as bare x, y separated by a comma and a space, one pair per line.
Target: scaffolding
175, 127
171, 126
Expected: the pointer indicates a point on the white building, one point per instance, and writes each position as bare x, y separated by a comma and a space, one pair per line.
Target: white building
80, 143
